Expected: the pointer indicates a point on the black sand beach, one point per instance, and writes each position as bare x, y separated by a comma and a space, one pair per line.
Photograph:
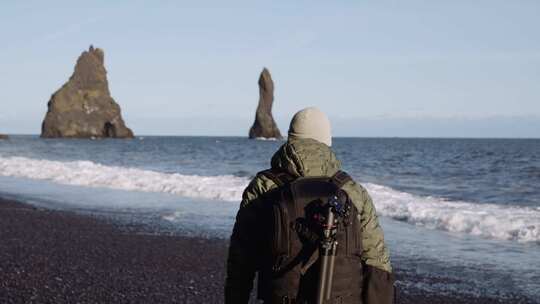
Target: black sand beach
49, 256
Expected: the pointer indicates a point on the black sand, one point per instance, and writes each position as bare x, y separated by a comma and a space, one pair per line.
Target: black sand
61, 257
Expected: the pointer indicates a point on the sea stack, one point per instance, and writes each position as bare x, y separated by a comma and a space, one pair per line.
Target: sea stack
83, 106
3, 136
264, 125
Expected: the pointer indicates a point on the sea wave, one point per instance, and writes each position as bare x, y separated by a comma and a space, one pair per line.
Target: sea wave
490, 221
485, 220
90, 174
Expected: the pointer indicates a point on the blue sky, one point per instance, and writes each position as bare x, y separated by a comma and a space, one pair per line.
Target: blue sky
377, 68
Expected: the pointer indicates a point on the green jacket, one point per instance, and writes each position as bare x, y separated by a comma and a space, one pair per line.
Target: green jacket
301, 157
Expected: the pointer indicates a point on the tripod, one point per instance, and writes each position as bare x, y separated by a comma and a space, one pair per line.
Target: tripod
334, 212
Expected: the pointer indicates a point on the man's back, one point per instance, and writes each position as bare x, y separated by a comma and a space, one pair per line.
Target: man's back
300, 158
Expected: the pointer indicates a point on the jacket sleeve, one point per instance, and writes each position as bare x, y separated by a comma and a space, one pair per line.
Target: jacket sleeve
378, 286
241, 263
375, 252
378, 277
242, 259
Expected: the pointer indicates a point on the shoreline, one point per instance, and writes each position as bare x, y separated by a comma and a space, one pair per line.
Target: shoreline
65, 257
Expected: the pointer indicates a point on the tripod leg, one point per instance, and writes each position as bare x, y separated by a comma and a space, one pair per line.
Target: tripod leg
330, 274
323, 278
326, 252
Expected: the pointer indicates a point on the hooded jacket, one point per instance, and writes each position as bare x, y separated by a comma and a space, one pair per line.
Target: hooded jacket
305, 158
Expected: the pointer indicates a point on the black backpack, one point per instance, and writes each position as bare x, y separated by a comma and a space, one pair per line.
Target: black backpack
289, 260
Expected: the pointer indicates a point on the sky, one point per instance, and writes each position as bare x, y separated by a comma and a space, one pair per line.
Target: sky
377, 68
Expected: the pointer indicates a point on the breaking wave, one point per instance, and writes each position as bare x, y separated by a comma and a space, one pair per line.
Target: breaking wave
89, 174
484, 220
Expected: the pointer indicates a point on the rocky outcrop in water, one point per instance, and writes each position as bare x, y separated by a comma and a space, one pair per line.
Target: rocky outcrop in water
264, 125
3, 136
83, 106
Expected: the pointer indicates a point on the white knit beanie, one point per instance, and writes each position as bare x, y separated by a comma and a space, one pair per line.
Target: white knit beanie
311, 123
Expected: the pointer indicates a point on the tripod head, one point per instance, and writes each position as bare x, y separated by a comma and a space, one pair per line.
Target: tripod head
339, 208
335, 210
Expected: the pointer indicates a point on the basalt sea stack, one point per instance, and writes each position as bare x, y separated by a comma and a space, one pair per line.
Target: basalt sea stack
264, 125
83, 106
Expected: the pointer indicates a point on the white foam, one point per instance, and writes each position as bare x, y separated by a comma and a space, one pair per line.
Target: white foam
87, 173
485, 220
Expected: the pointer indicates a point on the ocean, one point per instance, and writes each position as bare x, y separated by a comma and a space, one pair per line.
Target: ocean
465, 212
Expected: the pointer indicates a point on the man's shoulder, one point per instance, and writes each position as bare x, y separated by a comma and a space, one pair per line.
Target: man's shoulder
259, 185
357, 193
263, 183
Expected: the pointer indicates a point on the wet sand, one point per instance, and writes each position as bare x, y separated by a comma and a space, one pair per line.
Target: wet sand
49, 256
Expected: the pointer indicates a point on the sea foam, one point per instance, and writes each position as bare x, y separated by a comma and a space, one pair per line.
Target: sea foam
89, 174
484, 220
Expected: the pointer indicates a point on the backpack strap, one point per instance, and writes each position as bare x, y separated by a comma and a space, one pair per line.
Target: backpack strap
341, 178
285, 209
280, 178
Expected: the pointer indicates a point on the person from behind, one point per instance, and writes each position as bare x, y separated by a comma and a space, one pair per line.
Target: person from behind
307, 229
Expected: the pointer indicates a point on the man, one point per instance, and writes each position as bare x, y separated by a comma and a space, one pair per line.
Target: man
277, 234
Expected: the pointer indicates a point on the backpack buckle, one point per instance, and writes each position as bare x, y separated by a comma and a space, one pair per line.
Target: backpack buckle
279, 263
287, 300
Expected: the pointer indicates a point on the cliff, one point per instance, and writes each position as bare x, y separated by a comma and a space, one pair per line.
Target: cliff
83, 106
264, 125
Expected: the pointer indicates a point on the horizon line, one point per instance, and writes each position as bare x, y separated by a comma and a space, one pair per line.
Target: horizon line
285, 138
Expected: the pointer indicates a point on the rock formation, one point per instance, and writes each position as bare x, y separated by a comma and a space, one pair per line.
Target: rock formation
83, 106
264, 125
3, 136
